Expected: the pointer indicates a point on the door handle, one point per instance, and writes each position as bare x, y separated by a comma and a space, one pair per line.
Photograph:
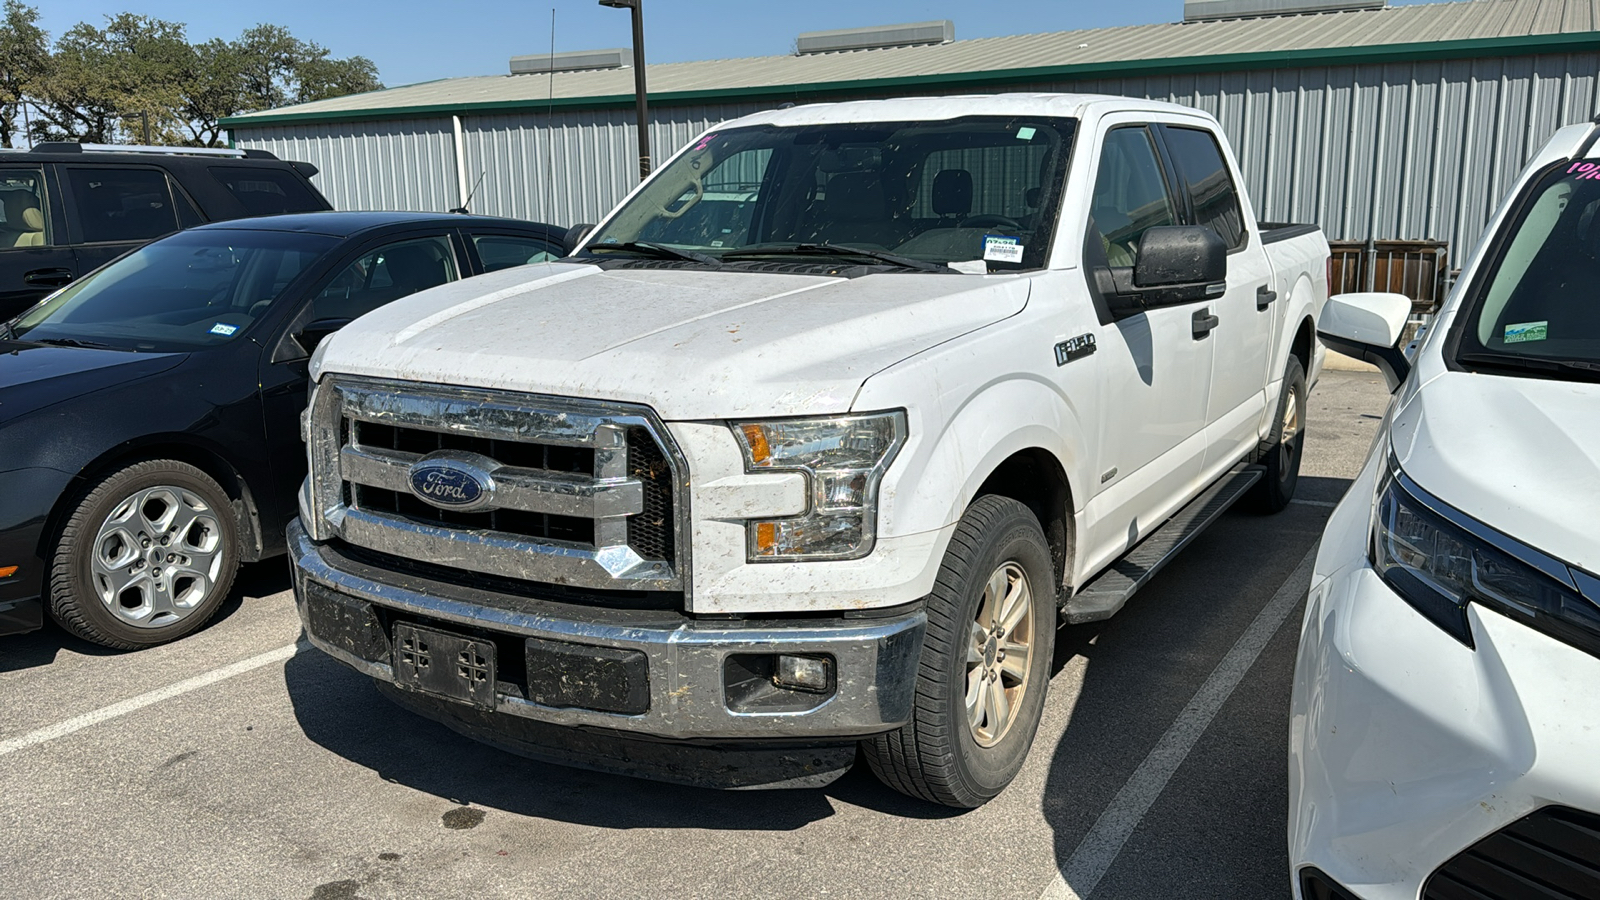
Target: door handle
48, 277
1264, 297
1203, 322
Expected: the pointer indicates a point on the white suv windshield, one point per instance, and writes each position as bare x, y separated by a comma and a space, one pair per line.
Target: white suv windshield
1537, 311
965, 190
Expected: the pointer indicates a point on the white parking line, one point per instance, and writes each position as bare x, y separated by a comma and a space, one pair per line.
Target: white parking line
134, 704
1325, 504
1099, 848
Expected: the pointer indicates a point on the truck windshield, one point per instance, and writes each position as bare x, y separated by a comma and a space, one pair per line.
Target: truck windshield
1539, 313
975, 190
192, 290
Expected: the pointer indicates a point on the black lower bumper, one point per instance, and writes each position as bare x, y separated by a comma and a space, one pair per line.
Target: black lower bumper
21, 616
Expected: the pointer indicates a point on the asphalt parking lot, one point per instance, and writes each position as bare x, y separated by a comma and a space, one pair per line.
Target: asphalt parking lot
239, 763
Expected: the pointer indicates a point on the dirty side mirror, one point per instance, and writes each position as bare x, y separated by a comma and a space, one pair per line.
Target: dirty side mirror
1175, 264
1368, 326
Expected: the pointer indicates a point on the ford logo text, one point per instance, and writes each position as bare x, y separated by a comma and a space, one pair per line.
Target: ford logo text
452, 483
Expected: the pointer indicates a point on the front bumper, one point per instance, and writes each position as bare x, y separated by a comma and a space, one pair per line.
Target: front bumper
1407, 747
688, 660
26, 496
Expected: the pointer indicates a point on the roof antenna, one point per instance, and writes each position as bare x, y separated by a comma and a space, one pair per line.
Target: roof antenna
463, 209
550, 130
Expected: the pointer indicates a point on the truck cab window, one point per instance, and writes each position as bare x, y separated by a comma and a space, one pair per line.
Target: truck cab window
1211, 190
1130, 194
22, 209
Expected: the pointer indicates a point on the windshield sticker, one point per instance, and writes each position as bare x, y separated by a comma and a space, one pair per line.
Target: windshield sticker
1527, 331
1002, 248
970, 266
1584, 170
224, 329
705, 142
1026, 134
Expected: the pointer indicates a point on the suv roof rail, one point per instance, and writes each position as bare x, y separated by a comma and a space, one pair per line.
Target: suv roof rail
74, 147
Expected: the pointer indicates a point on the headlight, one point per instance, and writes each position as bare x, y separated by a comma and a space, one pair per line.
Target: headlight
844, 459
1438, 560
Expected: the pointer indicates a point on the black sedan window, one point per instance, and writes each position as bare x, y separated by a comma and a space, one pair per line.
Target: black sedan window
192, 290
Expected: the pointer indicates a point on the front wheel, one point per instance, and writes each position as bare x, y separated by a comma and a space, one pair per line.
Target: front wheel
1280, 453
146, 557
985, 663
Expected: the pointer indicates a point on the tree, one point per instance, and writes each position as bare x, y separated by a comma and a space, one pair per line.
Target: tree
98, 80
97, 85
24, 48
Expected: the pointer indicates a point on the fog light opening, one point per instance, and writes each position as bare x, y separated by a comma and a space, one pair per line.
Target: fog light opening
804, 673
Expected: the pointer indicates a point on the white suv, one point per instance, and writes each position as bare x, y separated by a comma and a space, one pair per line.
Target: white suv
1446, 717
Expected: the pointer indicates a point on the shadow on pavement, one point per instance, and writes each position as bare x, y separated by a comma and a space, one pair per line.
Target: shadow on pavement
343, 712
1217, 827
40, 648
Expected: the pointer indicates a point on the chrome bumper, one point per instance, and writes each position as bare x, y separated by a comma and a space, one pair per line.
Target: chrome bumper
875, 659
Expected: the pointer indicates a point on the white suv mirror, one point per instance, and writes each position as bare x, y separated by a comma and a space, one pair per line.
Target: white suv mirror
1369, 327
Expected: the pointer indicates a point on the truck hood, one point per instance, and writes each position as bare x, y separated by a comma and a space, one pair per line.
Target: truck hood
693, 344
1521, 455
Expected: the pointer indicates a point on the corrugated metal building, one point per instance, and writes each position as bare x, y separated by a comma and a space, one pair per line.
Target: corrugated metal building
1391, 123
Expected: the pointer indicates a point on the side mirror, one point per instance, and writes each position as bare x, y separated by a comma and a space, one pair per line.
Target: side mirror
1368, 327
317, 332
574, 238
1176, 264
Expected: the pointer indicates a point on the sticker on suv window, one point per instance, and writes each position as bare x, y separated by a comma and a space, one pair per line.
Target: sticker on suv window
1527, 331
224, 329
1002, 248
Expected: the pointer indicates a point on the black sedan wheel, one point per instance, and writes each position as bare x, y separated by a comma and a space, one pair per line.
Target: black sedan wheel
146, 557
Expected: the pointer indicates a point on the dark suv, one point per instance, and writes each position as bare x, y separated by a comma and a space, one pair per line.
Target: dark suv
66, 209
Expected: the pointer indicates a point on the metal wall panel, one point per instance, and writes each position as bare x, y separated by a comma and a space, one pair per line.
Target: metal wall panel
1411, 151
404, 164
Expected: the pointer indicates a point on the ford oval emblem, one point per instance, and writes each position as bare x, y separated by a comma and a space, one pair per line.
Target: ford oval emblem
453, 483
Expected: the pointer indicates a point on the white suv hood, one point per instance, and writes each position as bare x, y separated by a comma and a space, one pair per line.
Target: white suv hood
693, 344
1521, 455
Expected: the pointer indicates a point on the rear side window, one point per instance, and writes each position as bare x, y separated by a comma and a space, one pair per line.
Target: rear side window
505, 251
1211, 191
121, 204
265, 191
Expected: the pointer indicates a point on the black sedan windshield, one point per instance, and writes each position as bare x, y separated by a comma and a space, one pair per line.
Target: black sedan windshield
1537, 311
192, 290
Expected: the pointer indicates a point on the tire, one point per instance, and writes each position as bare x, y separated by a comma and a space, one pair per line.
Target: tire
941, 755
112, 580
1280, 453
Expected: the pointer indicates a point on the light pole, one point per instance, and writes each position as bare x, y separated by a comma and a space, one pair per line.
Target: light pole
639, 89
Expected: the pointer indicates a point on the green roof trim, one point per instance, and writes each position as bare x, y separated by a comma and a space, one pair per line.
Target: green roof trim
1517, 45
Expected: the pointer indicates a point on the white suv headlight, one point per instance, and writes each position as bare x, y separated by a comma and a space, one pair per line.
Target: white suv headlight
843, 458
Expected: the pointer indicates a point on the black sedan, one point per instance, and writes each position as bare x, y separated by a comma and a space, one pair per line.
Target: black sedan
149, 413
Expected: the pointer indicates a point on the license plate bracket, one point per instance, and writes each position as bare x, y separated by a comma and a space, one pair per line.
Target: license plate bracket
446, 665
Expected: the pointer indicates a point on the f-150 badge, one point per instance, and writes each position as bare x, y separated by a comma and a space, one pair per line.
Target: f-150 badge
1074, 348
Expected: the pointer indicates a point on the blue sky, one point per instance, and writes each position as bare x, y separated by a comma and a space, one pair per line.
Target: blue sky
420, 40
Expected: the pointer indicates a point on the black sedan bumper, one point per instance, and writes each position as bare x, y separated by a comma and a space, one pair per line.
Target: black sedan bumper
26, 498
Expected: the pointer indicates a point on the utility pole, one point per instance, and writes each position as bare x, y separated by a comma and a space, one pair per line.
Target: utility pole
639, 87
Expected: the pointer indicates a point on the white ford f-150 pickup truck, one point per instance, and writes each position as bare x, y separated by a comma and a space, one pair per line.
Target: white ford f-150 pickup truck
812, 442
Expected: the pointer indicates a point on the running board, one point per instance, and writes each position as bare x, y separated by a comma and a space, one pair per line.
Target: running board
1110, 590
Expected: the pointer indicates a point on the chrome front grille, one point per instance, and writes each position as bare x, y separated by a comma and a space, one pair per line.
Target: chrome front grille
584, 495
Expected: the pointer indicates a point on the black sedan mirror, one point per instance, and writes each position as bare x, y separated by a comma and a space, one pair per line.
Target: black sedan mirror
574, 238
1176, 264
317, 332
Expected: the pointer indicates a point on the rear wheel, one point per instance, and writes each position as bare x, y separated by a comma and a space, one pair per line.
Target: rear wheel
146, 557
985, 663
1280, 453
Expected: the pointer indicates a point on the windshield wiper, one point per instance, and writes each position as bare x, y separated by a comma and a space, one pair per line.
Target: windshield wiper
70, 342
1587, 369
659, 251
826, 249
